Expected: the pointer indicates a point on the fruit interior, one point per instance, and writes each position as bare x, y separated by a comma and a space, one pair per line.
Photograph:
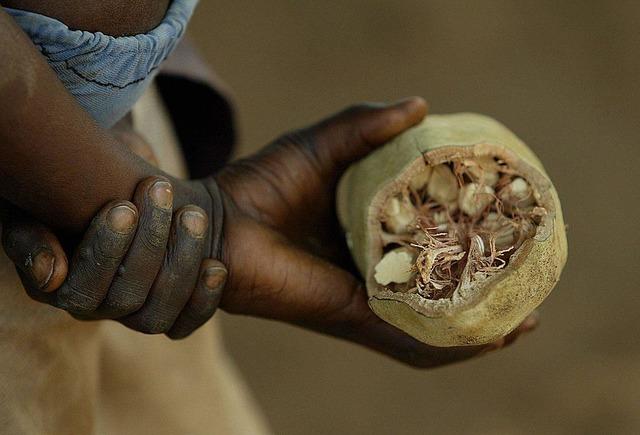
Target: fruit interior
453, 224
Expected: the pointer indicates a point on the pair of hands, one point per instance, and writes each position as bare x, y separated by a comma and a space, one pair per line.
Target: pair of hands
282, 244
139, 263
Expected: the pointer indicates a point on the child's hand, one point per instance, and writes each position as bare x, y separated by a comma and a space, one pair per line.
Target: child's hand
284, 249
282, 244
139, 263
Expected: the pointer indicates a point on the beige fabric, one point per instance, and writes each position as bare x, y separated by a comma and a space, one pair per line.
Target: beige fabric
151, 119
62, 376
48, 365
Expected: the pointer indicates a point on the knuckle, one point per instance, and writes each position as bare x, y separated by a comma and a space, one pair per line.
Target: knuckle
109, 250
303, 147
154, 238
181, 265
153, 325
122, 303
74, 300
95, 261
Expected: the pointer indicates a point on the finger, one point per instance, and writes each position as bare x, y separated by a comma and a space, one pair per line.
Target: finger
204, 300
138, 270
98, 258
36, 252
299, 171
177, 278
353, 133
291, 285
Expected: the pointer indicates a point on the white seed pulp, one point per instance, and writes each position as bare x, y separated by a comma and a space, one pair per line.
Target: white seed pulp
396, 266
454, 223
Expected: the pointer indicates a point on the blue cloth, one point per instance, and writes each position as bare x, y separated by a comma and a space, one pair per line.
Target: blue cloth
106, 74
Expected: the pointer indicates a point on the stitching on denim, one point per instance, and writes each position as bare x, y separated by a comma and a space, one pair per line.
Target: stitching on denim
97, 82
109, 85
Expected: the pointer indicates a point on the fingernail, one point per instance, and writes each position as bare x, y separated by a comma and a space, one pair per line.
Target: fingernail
41, 267
121, 219
213, 277
194, 222
162, 195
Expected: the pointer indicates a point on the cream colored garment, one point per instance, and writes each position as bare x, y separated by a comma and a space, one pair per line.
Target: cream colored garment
62, 376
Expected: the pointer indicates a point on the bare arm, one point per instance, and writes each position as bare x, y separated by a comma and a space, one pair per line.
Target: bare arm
57, 164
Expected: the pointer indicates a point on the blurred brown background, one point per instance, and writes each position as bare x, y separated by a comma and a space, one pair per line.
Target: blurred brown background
565, 76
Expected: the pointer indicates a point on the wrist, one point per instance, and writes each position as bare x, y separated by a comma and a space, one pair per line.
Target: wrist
216, 211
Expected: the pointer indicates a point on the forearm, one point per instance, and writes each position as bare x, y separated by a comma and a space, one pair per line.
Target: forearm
56, 162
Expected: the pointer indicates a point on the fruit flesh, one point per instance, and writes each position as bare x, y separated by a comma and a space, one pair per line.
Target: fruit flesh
455, 223
490, 308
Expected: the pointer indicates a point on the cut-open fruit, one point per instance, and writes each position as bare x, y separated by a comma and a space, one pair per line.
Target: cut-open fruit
462, 224
456, 228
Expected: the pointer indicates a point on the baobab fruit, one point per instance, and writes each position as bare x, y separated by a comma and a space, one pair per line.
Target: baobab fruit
456, 228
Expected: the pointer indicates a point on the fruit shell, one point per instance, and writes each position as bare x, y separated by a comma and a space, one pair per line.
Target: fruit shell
488, 309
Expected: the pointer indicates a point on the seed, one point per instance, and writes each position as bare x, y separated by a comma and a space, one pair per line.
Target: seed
420, 180
484, 169
474, 198
517, 194
399, 215
443, 186
441, 217
395, 266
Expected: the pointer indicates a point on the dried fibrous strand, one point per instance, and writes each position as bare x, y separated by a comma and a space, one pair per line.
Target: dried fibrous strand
455, 223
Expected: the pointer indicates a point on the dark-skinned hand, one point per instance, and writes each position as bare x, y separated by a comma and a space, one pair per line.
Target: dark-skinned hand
286, 255
285, 252
139, 263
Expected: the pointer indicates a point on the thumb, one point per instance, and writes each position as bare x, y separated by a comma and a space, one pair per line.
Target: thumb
302, 167
35, 251
356, 131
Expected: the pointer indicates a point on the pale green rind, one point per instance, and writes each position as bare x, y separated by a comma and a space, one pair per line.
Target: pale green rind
489, 309
509, 301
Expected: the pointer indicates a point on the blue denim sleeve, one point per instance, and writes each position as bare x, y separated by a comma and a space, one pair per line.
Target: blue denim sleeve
105, 74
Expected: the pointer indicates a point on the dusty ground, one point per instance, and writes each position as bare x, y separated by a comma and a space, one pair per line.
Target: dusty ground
564, 76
